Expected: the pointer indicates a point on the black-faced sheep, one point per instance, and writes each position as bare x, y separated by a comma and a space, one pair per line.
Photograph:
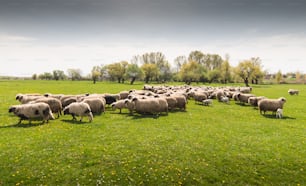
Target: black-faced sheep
293, 92
35, 111
78, 109
271, 104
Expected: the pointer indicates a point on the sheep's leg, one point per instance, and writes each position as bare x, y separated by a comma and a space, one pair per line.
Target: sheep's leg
81, 118
20, 121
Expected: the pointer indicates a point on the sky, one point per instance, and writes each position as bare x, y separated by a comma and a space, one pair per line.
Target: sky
38, 36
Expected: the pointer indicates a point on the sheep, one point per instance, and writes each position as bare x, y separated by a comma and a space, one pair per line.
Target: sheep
219, 95
120, 104
243, 98
253, 101
271, 104
224, 99
163, 105
123, 94
172, 102
199, 97
109, 99
245, 89
279, 113
207, 102
34, 111
55, 104
143, 106
96, 105
68, 99
293, 92
181, 101
26, 98
78, 109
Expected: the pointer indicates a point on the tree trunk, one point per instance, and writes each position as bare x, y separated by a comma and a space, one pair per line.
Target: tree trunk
119, 80
246, 82
132, 80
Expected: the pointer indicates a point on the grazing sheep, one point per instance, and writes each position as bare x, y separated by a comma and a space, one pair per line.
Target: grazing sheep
245, 89
144, 106
171, 102
181, 101
279, 113
224, 99
254, 100
271, 104
55, 104
96, 105
163, 105
109, 99
35, 111
199, 97
243, 98
219, 95
207, 102
79, 109
293, 92
120, 104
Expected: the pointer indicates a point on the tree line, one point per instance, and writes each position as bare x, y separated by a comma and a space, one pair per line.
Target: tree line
153, 66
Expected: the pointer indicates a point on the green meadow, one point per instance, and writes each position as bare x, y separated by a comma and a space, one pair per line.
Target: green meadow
216, 145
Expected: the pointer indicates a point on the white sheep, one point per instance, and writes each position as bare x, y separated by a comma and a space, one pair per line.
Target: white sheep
35, 111
224, 99
207, 102
143, 106
279, 113
97, 105
120, 104
78, 109
271, 104
26, 98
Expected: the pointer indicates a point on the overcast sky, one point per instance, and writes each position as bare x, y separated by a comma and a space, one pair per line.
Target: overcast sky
39, 36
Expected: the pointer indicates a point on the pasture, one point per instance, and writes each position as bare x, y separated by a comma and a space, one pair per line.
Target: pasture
216, 145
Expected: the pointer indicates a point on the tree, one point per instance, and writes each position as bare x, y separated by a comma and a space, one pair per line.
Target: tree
117, 70
250, 69
225, 72
196, 56
45, 76
150, 71
95, 73
213, 75
58, 75
133, 72
278, 76
157, 59
74, 74
191, 71
179, 61
34, 76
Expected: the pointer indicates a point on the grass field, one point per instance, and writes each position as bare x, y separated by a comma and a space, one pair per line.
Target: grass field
217, 145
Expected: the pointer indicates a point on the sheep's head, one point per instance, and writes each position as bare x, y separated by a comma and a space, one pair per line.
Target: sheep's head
282, 99
12, 109
66, 111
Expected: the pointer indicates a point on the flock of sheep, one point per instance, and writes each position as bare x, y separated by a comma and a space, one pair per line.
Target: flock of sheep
150, 100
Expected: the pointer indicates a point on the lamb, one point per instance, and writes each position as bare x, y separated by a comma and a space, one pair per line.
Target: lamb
224, 99
271, 104
55, 104
207, 102
35, 111
279, 113
120, 104
293, 92
79, 109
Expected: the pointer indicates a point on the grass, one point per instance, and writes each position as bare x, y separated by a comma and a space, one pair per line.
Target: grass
217, 145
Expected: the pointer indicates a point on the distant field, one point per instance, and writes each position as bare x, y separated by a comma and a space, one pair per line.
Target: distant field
217, 145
